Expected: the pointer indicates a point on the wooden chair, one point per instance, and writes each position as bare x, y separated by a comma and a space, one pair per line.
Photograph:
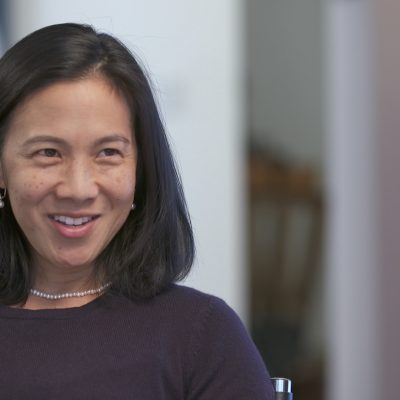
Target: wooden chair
286, 216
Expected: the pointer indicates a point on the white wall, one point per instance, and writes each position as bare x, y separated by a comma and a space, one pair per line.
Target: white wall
193, 50
3, 12
285, 44
353, 297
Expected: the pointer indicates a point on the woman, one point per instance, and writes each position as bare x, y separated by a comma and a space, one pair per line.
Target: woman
94, 233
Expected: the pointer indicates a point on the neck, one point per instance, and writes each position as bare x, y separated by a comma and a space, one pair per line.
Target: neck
61, 279
38, 303
66, 295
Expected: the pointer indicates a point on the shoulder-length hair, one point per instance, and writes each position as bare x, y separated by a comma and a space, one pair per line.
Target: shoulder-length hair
155, 246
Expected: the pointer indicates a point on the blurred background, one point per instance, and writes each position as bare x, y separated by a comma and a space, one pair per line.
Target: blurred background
283, 117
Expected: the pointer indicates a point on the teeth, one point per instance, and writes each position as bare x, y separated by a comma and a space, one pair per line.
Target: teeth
69, 221
72, 221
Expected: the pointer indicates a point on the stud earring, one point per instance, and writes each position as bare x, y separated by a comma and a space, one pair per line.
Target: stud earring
2, 197
133, 206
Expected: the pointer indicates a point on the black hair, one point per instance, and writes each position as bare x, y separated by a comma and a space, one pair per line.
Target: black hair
155, 246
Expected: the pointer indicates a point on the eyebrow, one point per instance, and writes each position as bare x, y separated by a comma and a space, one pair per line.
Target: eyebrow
43, 138
57, 140
113, 138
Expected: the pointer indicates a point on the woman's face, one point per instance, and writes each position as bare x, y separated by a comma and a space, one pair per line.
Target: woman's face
68, 163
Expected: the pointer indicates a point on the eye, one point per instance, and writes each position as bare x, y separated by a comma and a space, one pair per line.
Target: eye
49, 153
109, 153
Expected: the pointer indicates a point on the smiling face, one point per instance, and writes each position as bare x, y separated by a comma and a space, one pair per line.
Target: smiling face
69, 163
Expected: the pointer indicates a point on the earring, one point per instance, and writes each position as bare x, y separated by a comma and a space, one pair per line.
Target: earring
2, 197
133, 206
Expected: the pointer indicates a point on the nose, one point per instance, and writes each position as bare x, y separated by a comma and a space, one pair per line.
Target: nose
79, 182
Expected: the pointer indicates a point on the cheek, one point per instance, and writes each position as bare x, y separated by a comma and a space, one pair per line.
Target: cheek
123, 187
26, 188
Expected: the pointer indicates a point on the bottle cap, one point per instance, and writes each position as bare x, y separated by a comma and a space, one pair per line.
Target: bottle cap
282, 385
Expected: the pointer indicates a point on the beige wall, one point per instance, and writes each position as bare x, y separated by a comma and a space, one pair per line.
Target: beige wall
387, 17
363, 64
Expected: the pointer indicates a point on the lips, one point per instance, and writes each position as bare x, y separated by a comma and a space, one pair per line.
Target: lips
73, 226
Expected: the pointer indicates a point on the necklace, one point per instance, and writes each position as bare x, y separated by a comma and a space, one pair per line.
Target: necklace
58, 296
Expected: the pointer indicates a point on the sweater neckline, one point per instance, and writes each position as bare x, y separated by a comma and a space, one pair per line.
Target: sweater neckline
52, 313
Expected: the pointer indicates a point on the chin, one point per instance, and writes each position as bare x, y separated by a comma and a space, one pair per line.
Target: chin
71, 262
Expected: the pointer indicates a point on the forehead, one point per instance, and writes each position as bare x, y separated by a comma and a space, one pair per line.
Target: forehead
89, 106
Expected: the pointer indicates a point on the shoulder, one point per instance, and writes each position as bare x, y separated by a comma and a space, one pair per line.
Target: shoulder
188, 296
176, 302
203, 308
195, 316
222, 361
211, 320
181, 306
207, 338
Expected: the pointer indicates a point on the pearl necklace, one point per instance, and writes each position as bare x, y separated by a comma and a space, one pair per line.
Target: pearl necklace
58, 296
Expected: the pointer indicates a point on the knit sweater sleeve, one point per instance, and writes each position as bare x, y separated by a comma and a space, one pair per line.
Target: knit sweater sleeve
224, 362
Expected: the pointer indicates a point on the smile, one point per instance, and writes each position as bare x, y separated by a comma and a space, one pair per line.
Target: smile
74, 227
69, 221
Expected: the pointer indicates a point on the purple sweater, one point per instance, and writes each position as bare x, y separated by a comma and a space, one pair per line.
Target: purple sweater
181, 344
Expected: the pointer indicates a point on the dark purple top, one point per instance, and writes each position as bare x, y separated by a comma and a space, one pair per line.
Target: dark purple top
181, 344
